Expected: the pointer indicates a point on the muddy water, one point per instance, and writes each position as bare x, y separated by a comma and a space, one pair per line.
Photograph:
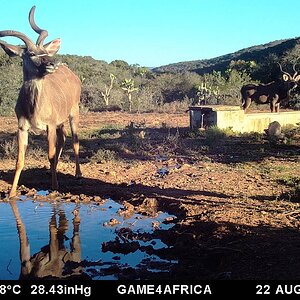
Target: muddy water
65, 240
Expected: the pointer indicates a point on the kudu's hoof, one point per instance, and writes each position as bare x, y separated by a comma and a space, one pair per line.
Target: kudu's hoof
13, 196
78, 176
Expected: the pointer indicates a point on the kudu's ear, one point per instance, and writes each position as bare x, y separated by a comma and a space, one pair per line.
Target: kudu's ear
285, 77
12, 50
52, 47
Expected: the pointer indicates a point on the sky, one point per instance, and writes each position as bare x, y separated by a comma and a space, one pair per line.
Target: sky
153, 33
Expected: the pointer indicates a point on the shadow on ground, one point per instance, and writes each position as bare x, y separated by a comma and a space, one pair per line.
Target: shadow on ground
204, 249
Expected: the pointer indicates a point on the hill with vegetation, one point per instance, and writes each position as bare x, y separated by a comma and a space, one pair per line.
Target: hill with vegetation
134, 88
257, 53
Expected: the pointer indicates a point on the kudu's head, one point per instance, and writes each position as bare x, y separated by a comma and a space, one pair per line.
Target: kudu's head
37, 58
291, 81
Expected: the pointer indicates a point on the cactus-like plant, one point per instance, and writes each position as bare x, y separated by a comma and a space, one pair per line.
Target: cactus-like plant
127, 85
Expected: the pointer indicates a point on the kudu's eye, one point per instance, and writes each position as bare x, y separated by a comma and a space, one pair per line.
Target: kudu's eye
31, 53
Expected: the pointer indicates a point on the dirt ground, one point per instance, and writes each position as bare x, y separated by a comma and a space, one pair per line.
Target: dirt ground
236, 201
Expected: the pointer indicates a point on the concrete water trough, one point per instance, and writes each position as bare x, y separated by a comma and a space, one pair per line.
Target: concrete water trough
234, 117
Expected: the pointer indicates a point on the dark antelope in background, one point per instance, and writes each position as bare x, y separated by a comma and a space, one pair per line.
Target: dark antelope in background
50, 94
273, 92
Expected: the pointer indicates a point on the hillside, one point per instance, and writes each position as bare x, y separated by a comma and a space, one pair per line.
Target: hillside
257, 53
105, 85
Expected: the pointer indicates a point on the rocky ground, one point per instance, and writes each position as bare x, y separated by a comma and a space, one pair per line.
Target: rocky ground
235, 199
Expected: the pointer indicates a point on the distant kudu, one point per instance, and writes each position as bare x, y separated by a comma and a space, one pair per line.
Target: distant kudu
273, 92
50, 94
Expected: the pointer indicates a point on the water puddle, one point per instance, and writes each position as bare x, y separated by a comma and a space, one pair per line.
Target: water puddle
95, 241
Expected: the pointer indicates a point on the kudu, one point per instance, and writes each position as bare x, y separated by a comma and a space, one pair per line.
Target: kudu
50, 94
273, 92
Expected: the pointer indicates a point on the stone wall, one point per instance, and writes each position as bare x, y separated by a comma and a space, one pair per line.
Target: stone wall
235, 118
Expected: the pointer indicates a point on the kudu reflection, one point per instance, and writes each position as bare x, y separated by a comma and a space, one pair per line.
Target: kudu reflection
54, 260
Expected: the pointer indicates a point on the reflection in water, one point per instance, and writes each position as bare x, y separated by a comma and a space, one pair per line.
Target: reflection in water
55, 241
53, 258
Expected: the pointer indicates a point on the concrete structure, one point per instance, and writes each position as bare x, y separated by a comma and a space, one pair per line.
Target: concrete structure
234, 117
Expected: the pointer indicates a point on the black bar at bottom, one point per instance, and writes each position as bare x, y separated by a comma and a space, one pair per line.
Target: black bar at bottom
92, 289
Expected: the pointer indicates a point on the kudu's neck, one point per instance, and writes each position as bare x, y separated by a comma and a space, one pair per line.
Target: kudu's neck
30, 73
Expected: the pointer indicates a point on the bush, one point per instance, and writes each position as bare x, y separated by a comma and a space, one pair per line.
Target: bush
103, 155
9, 149
214, 136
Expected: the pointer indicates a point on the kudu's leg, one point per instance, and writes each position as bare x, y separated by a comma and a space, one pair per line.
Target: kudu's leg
62, 229
22, 146
273, 104
274, 107
74, 121
61, 138
52, 155
53, 243
26, 265
246, 103
75, 244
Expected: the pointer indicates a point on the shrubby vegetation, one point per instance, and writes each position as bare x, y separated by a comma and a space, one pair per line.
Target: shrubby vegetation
120, 86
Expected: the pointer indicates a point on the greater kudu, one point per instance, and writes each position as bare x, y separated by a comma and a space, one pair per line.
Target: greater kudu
50, 94
273, 92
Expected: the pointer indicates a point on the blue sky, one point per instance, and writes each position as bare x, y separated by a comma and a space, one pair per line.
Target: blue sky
155, 32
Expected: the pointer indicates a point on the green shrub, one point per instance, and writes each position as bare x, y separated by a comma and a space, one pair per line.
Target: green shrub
103, 155
214, 136
9, 149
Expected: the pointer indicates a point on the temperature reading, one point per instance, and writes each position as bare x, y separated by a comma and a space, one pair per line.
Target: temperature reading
15, 289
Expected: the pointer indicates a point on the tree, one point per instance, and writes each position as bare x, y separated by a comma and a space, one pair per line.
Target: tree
127, 85
243, 66
120, 64
106, 94
292, 56
10, 82
268, 70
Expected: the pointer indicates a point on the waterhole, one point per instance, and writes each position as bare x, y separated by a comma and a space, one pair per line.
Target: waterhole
58, 239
